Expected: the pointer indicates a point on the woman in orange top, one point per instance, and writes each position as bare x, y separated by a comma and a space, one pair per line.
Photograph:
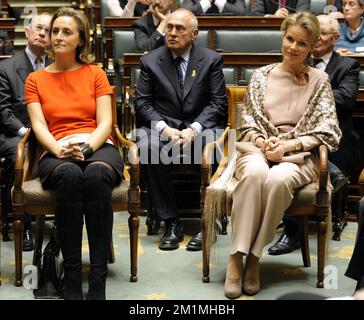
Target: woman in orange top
69, 105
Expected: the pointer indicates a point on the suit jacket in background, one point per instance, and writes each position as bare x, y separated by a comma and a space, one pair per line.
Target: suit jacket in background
232, 7
263, 7
158, 96
13, 111
344, 78
139, 7
146, 36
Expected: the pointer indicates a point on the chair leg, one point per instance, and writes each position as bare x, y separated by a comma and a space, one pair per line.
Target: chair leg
18, 243
133, 230
39, 234
205, 255
321, 247
305, 249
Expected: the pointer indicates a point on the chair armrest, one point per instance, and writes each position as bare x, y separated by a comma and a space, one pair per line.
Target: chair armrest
19, 160
361, 183
323, 167
206, 159
133, 157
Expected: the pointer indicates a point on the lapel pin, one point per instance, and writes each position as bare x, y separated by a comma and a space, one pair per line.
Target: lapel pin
194, 74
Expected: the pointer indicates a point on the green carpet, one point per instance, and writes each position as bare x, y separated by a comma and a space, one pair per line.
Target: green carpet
176, 275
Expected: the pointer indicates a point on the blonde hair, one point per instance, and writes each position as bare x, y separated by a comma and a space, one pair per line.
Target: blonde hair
83, 51
306, 20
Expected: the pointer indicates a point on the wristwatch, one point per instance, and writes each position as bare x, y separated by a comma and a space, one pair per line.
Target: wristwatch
87, 151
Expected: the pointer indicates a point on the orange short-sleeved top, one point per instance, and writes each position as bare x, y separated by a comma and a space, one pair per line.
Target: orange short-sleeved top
68, 99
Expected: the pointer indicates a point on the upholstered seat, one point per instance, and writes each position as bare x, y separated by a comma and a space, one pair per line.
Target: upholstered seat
248, 40
310, 200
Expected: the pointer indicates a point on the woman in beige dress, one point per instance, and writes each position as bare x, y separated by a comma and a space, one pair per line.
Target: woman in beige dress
288, 110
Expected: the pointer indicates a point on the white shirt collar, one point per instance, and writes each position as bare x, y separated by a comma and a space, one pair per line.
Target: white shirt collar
185, 56
326, 58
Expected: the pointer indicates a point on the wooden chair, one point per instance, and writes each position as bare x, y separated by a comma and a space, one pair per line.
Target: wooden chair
29, 196
311, 200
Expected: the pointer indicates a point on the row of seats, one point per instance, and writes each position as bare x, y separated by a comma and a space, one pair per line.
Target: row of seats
225, 40
317, 7
231, 76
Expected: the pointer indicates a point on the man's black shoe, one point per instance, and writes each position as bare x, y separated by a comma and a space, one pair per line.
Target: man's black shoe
339, 181
172, 236
28, 244
195, 244
285, 244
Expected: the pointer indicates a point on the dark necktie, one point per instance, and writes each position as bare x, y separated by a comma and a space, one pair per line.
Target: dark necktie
38, 64
178, 63
316, 61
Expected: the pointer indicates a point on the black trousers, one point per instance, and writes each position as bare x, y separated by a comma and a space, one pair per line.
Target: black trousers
156, 157
83, 190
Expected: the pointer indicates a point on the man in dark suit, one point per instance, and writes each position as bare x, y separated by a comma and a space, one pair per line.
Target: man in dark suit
279, 8
223, 7
149, 30
344, 78
180, 96
13, 112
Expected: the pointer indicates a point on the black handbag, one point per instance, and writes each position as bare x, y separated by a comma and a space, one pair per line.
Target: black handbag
50, 271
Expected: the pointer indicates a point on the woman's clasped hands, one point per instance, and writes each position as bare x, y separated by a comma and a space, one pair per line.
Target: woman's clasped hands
71, 150
273, 148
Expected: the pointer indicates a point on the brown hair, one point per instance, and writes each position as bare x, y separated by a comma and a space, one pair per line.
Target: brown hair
306, 20
83, 51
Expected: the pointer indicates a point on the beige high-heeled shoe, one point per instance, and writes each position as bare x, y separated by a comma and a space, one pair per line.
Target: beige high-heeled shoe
233, 286
251, 276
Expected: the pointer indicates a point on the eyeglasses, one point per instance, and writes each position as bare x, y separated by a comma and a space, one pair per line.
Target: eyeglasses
40, 28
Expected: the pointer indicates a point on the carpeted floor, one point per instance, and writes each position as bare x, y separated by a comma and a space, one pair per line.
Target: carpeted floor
176, 275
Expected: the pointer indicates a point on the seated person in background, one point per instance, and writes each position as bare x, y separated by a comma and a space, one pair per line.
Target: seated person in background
127, 8
288, 109
69, 105
355, 269
279, 8
180, 94
6, 47
228, 7
351, 39
149, 30
338, 7
13, 112
344, 78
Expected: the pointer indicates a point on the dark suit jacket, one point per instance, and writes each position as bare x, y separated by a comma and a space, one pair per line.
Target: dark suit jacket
233, 7
13, 111
263, 7
147, 38
344, 79
139, 7
158, 96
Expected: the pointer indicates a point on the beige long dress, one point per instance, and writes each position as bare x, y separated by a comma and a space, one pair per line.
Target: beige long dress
264, 190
